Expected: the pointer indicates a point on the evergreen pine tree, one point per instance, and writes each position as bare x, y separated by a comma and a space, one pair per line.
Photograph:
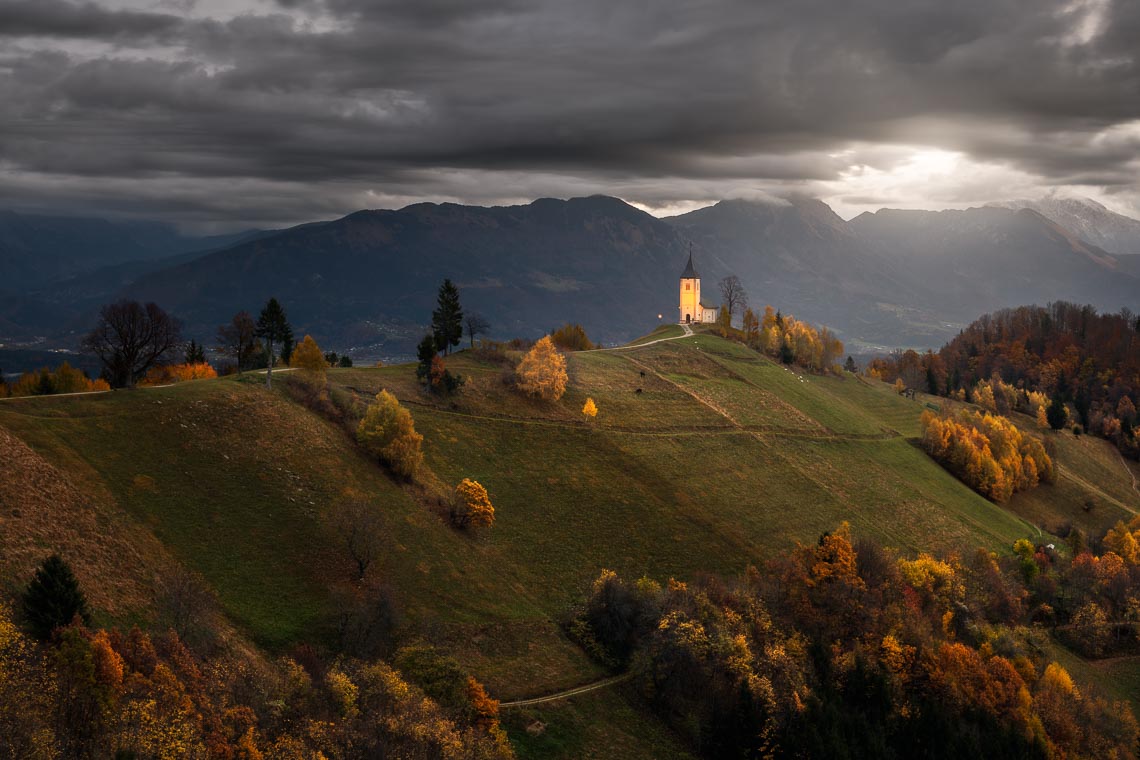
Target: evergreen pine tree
447, 319
195, 354
53, 598
787, 354
1056, 414
425, 352
273, 326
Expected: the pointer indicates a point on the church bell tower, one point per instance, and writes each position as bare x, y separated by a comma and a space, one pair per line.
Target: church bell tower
690, 308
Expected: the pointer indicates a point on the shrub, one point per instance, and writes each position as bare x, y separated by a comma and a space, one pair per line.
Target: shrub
43, 382
166, 374
572, 337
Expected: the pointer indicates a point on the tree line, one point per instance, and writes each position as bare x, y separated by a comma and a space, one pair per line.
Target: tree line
1086, 364
842, 648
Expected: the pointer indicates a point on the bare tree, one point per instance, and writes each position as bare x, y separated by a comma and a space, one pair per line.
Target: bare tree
733, 295
187, 604
238, 339
362, 530
130, 338
476, 325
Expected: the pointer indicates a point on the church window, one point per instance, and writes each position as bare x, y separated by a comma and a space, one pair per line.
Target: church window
688, 286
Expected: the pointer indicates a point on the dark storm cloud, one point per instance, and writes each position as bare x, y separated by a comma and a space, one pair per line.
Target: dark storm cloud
60, 18
342, 96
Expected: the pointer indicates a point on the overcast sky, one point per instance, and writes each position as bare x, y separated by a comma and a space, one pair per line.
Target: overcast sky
229, 113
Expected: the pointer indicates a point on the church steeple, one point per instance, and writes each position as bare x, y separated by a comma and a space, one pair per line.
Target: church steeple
690, 273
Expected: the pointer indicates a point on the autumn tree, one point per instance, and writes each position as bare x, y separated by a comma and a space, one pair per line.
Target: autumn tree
471, 506
476, 325
733, 295
542, 372
130, 338
361, 528
238, 340
388, 432
53, 598
1126, 410
309, 359
273, 327
750, 325
589, 410
447, 319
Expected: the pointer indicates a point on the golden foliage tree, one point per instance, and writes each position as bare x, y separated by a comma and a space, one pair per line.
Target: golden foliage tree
309, 358
987, 452
472, 505
589, 409
542, 372
388, 432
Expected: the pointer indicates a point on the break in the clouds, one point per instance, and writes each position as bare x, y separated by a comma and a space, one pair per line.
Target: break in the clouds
223, 113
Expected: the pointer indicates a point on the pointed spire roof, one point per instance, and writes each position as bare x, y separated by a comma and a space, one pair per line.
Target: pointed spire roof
690, 273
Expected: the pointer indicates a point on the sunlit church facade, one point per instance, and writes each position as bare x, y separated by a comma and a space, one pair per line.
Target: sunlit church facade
691, 309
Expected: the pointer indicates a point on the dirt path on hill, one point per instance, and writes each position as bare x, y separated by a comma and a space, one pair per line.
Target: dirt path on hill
688, 332
569, 692
1061, 471
1131, 474
689, 391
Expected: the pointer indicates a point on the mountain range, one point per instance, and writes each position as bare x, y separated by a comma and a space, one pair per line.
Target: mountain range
366, 282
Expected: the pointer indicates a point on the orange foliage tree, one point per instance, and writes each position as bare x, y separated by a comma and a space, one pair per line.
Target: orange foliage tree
542, 372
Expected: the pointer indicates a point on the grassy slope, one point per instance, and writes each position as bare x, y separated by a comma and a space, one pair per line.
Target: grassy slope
722, 459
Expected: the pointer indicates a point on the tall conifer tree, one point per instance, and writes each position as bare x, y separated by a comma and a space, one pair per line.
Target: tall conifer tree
447, 319
273, 326
53, 598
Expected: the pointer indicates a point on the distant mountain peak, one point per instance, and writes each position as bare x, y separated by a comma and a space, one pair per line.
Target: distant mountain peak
1089, 220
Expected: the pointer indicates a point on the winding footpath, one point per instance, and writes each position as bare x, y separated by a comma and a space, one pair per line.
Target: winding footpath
570, 692
688, 332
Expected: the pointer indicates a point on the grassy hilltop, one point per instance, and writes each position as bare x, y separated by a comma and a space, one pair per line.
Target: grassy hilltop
721, 459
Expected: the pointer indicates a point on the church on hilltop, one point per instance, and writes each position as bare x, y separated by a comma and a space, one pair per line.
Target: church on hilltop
692, 310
